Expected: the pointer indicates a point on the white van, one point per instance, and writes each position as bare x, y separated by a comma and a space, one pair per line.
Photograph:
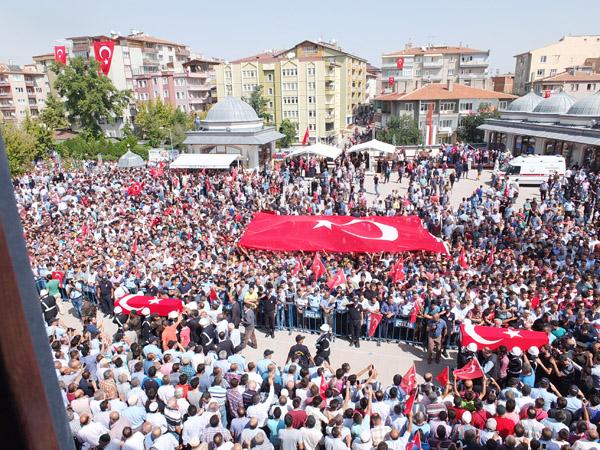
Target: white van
533, 169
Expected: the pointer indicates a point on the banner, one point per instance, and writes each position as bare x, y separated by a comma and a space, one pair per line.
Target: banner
103, 51
60, 54
160, 306
493, 337
374, 321
341, 234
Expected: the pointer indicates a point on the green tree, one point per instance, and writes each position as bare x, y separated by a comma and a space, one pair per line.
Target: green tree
90, 97
153, 120
21, 148
54, 115
259, 104
40, 133
468, 130
288, 129
402, 130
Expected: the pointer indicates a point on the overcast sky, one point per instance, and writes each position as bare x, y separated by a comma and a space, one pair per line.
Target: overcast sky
236, 28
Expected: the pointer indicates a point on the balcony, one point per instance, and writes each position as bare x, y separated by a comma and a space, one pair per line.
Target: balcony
474, 63
6, 107
330, 75
29, 82
199, 87
150, 62
4, 82
433, 64
4, 94
151, 50
330, 87
200, 74
182, 51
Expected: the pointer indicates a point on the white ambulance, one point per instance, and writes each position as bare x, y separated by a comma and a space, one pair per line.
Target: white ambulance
533, 169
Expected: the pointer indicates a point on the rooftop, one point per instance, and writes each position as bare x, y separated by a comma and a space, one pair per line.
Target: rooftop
434, 50
439, 91
280, 55
571, 76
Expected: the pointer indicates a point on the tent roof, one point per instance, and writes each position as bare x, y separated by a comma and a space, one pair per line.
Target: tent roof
373, 145
130, 159
328, 151
203, 161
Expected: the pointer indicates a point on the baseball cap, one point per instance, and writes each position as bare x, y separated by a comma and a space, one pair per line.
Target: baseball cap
299, 338
268, 352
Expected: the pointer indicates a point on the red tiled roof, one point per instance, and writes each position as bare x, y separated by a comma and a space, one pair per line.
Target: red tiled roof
439, 91
260, 57
571, 77
152, 39
442, 49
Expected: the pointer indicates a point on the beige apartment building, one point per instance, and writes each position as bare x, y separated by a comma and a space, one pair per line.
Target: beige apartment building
413, 67
577, 83
569, 51
316, 85
23, 91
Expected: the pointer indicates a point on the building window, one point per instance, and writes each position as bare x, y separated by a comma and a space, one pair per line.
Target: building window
311, 99
418, 59
289, 72
248, 87
502, 104
290, 86
269, 77
248, 73
290, 100
228, 74
425, 107
270, 104
574, 87
552, 72
408, 107
446, 107
591, 87
450, 72
311, 85
19, 90
466, 107
166, 94
543, 59
312, 113
446, 123
312, 126
540, 72
270, 91
311, 71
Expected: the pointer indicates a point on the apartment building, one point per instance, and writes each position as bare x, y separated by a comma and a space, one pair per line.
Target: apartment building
577, 83
314, 84
503, 83
569, 51
191, 90
23, 91
411, 68
438, 108
373, 82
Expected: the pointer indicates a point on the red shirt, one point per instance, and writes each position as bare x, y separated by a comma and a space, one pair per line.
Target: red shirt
504, 426
299, 417
459, 411
479, 418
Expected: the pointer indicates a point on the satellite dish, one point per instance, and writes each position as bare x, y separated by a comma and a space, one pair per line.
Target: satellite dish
291, 55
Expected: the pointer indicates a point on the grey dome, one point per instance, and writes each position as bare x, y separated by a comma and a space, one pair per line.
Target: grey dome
558, 103
588, 106
525, 104
231, 109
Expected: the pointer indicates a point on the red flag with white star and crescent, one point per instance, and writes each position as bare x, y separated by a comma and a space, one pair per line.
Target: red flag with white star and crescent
469, 371
493, 337
103, 52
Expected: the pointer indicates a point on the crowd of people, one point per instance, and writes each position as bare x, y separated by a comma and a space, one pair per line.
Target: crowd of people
183, 381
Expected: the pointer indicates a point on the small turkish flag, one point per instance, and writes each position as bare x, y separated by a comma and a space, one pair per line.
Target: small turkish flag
416, 443
297, 267
338, 280
317, 267
443, 377
397, 271
305, 138
470, 371
409, 380
135, 189
213, 294
374, 321
60, 54
400, 63
56, 275
103, 51
462, 259
155, 221
134, 248
323, 387
391, 81
415, 312
409, 403
490, 258
85, 230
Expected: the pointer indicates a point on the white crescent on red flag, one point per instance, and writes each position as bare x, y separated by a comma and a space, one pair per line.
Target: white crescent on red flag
103, 52
374, 321
60, 54
462, 259
340, 234
160, 306
338, 280
134, 189
297, 267
409, 403
317, 267
493, 337
409, 380
469, 371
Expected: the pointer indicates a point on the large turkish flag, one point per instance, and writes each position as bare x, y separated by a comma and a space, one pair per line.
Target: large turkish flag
160, 306
492, 337
469, 371
103, 51
342, 234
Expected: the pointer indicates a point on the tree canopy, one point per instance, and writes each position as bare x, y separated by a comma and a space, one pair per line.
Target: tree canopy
157, 122
21, 148
468, 132
401, 130
288, 129
90, 97
259, 104
54, 115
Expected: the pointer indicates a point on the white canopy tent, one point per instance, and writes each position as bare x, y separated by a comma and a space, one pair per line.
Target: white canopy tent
203, 161
374, 146
328, 151
130, 160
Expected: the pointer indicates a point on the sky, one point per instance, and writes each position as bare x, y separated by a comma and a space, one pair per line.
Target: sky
238, 28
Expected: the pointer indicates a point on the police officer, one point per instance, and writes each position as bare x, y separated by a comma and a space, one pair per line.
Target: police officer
105, 294
207, 335
355, 318
49, 308
466, 354
120, 318
146, 326
323, 345
300, 353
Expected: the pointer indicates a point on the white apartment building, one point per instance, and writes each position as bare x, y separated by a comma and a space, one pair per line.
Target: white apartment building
23, 91
409, 69
551, 60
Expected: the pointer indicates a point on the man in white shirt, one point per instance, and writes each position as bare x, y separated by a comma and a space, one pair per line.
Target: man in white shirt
260, 410
90, 432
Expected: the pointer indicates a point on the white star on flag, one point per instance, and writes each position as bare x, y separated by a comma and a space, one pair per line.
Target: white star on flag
154, 301
513, 333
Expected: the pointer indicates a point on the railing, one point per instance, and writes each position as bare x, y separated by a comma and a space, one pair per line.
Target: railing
475, 62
